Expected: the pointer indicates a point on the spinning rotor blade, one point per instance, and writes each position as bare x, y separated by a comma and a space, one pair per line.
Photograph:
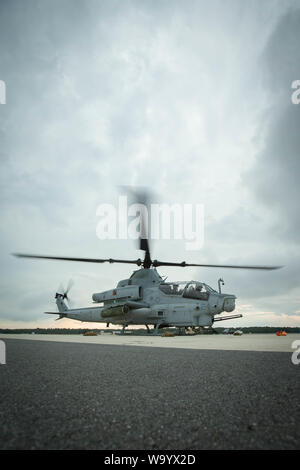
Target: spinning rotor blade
85, 260
183, 264
65, 295
70, 284
147, 263
60, 289
144, 243
141, 197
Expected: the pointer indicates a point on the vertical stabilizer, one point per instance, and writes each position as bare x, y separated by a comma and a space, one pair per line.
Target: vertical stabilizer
62, 307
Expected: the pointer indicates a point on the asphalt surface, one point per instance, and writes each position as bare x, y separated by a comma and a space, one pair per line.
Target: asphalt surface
56, 395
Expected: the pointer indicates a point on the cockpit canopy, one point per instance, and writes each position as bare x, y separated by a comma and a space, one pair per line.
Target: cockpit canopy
192, 289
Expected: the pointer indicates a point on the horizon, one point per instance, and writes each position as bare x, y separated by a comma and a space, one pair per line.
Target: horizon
178, 97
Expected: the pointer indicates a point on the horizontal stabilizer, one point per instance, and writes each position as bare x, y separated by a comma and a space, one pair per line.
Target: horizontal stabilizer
55, 313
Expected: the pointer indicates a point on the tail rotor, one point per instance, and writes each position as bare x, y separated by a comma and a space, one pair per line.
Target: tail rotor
63, 293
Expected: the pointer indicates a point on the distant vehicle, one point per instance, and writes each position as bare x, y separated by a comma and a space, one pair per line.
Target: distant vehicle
228, 331
238, 333
281, 333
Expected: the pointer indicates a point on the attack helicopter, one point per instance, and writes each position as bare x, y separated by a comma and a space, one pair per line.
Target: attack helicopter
145, 298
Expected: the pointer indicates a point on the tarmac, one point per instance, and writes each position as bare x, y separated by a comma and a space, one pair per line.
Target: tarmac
177, 393
246, 342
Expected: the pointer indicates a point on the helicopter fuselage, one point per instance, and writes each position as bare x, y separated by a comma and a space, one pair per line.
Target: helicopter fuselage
145, 299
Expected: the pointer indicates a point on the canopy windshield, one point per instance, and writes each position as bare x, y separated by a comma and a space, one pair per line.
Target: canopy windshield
191, 289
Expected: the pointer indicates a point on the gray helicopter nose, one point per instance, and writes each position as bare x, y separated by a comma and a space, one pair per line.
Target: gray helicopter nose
229, 303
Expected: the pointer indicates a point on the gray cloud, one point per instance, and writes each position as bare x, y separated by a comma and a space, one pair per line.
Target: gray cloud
101, 94
275, 175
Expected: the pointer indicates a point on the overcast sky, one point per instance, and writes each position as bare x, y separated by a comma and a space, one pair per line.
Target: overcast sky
192, 99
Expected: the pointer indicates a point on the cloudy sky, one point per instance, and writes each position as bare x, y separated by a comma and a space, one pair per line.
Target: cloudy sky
192, 99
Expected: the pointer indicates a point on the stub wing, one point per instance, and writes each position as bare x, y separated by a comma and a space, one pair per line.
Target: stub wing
230, 317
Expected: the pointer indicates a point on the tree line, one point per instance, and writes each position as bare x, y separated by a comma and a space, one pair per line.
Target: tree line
81, 331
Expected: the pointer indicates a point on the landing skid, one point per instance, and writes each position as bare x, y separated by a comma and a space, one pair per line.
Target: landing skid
181, 331
201, 330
